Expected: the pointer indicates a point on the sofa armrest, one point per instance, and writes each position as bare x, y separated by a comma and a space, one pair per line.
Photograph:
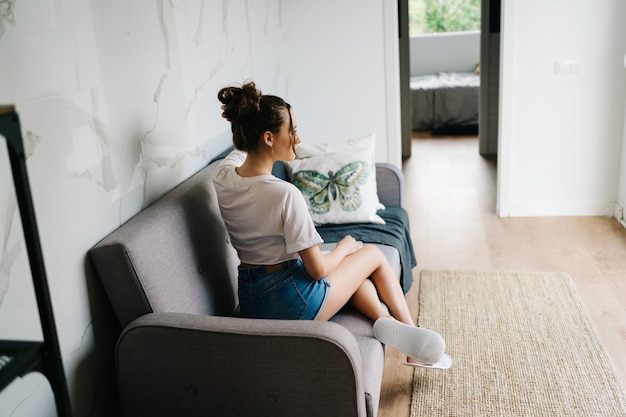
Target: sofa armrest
390, 184
180, 364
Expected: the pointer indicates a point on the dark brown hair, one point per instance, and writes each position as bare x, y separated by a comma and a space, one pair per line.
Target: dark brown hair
251, 113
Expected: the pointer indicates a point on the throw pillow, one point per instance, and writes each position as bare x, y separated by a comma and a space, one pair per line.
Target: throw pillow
367, 142
338, 181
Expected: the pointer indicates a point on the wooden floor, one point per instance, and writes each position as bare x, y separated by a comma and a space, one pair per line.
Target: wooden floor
451, 199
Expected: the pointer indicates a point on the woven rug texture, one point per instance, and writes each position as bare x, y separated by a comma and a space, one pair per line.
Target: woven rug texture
522, 343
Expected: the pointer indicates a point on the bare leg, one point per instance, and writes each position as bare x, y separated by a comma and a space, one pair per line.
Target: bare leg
389, 290
349, 282
366, 280
366, 301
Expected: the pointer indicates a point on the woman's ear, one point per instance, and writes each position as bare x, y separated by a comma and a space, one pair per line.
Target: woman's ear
268, 139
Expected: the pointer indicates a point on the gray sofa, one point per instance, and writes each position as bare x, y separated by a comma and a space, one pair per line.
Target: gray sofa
170, 275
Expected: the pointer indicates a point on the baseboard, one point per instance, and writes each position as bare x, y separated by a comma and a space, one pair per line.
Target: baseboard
546, 209
618, 213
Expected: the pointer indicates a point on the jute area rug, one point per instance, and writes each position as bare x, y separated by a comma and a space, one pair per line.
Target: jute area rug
522, 344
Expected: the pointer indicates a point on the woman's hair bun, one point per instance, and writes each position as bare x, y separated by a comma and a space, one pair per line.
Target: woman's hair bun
251, 114
238, 102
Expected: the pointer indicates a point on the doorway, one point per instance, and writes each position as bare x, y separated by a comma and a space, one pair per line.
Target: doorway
488, 107
489, 77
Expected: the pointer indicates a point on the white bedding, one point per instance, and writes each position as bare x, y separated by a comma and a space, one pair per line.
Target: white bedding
447, 100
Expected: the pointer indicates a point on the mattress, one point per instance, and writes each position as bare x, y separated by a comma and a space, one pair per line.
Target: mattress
446, 102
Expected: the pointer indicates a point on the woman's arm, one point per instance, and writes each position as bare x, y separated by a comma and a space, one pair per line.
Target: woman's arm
319, 265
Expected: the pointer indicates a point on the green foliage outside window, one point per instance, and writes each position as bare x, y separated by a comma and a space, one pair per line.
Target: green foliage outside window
430, 16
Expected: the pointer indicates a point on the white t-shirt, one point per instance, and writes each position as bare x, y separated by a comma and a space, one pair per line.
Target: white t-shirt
267, 218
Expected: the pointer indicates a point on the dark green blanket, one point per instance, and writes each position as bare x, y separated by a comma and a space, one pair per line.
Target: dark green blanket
396, 232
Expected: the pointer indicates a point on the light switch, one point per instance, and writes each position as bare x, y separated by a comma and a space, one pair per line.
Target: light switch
567, 67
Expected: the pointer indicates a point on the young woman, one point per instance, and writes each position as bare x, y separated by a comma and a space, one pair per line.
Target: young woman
283, 274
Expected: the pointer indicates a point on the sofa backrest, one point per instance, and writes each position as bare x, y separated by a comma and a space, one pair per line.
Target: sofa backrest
173, 256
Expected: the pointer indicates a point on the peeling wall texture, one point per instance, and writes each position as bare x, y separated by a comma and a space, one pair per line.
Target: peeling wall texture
117, 103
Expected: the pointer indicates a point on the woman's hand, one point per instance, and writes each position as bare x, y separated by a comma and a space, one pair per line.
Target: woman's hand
318, 265
349, 245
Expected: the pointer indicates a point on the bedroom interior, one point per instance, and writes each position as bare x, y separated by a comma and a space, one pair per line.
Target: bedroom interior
448, 69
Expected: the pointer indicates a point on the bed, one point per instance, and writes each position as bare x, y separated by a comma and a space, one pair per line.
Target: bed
446, 103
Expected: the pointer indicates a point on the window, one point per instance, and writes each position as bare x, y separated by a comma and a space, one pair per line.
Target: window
430, 16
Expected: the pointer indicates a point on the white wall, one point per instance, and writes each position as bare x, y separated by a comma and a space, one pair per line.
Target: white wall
620, 206
117, 101
444, 52
561, 135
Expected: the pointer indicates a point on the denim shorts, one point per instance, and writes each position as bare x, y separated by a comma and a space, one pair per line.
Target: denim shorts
289, 294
